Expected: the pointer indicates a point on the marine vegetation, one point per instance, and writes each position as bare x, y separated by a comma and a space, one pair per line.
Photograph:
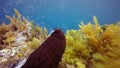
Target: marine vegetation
19, 39
92, 46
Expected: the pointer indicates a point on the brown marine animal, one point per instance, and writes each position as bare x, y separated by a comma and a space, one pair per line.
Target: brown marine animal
48, 54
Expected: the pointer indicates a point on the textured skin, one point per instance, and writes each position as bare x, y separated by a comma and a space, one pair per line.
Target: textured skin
49, 54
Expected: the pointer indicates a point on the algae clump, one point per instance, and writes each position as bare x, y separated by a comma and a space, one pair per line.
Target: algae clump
19, 39
93, 46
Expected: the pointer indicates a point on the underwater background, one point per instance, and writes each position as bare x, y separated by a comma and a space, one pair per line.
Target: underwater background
89, 34
64, 14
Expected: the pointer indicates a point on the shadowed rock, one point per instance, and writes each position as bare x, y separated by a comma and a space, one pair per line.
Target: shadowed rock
49, 54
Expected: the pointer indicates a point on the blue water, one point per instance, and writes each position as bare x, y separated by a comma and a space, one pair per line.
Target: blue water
64, 14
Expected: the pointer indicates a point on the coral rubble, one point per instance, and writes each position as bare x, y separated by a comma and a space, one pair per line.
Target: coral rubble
18, 39
49, 54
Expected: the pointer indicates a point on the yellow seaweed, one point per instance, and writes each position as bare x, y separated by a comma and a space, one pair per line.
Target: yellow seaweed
34, 43
93, 46
18, 39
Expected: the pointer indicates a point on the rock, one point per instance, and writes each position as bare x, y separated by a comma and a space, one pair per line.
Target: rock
48, 54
